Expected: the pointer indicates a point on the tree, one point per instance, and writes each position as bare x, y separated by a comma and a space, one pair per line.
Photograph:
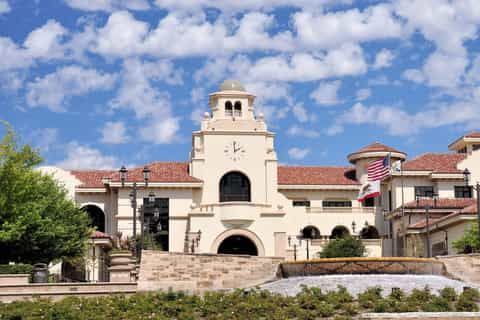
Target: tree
469, 241
38, 223
343, 247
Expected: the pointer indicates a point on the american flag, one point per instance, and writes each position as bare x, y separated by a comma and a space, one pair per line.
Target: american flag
379, 169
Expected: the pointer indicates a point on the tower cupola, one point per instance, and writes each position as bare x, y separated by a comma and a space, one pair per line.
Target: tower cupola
232, 101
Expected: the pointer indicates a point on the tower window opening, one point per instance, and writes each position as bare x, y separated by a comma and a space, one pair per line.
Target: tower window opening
238, 109
228, 109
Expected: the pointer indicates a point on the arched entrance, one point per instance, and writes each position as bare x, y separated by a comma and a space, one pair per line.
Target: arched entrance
97, 217
238, 244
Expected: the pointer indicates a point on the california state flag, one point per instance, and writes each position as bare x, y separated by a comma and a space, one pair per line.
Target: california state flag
370, 189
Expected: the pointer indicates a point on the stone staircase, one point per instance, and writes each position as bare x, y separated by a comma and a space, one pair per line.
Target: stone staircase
463, 267
197, 273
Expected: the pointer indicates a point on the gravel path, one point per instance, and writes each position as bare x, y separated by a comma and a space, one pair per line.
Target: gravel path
359, 283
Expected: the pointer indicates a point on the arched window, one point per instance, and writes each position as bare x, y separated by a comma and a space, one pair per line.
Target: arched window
238, 109
339, 232
97, 217
228, 109
310, 232
369, 232
234, 186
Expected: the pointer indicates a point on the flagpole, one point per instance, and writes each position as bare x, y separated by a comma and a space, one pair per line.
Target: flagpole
404, 235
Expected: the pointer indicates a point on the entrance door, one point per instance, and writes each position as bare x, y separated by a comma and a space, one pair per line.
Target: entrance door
237, 244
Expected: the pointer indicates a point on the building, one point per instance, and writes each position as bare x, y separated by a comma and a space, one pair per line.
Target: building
232, 196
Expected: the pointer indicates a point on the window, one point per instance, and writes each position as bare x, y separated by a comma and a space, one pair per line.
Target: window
463, 150
390, 200
228, 109
463, 191
237, 109
156, 223
234, 186
369, 202
424, 191
301, 203
336, 203
475, 147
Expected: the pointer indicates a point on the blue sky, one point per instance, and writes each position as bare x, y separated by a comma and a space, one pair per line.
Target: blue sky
101, 83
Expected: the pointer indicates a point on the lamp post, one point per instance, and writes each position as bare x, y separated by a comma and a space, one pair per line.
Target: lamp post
466, 177
427, 221
151, 203
133, 200
294, 245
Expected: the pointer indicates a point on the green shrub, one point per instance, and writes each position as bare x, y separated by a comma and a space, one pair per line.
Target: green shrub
15, 268
469, 241
448, 293
438, 304
343, 247
369, 298
467, 301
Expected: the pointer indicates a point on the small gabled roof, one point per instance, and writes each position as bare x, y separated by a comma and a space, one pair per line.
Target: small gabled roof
461, 142
435, 162
303, 175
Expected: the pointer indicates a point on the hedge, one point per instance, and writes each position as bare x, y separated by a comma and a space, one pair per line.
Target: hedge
15, 268
310, 303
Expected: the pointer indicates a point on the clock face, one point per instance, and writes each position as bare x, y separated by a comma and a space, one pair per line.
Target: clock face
234, 150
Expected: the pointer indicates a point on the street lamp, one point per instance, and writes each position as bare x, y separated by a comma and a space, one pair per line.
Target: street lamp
296, 242
427, 220
466, 177
133, 200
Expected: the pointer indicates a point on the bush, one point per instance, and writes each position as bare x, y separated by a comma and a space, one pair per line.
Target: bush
469, 241
343, 247
19, 268
309, 304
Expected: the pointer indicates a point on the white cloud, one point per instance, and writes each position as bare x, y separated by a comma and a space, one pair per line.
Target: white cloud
300, 112
413, 75
54, 89
85, 157
363, 94
45, 139
44, 42
231, 6
301, 67
114, 133
138, 94
298, 153
4, 7
334, 29
383, 59
108, 5
297, 131
398, 122
326, 93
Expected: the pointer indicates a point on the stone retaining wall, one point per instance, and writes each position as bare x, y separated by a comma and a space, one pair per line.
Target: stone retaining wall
197, 273
465, 267
362, 266
6, 279
56, 291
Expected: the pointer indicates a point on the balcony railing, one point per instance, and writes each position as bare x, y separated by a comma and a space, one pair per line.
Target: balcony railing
354, 210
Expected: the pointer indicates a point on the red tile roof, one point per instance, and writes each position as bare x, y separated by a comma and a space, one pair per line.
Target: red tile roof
441, 203
160, 172
91, 178
471, 209
435, 162
473, 135
299, 175
376, 147
98, 234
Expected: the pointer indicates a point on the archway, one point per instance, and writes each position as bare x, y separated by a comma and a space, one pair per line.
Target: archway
214, 248
238, 244
310, 232
234, 186
369, 232
339, 232
96, 215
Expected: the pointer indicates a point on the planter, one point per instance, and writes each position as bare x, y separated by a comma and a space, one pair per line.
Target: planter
121, 259
8, 279
122, 266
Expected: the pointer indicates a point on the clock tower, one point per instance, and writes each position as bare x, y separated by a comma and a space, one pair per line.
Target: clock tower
233, 140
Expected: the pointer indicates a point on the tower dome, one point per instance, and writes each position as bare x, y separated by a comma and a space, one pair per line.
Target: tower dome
232, 85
